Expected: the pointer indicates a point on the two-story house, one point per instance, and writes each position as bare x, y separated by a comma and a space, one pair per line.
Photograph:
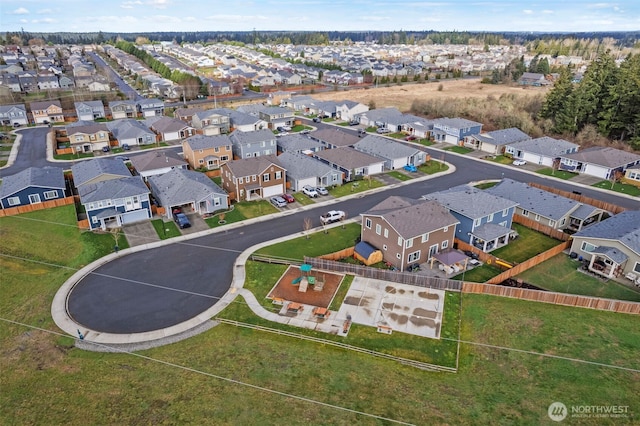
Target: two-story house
131, 132
454, 130
276, 116
47, 112
13, 114
408, 231
90, 110
150, 107
123, 109
88, 138
208, 152
253, 178
170, 129
485, 219
253, 144
210, 122
32, 185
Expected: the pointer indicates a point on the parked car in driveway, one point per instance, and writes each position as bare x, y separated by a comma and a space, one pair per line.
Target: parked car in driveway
382, 130
410, 168
288, 198
278, 201
317, 119
322, 190
519, 162
181, 219
309, 191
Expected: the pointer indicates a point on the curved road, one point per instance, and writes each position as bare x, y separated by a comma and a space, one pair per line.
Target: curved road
157, 288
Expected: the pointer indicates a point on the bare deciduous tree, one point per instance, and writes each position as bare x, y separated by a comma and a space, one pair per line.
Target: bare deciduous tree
307, 225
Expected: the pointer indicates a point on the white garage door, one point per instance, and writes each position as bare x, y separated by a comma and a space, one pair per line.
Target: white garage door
270, 191
134, 216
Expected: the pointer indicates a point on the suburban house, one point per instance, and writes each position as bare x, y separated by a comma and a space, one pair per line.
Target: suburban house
350, 162
97, 170
612, 246
334, 138
454, 130
415, 126
131, 132
88, 137
150, 107
298, 143
47, 112
544, 207
494, 143
533, 79
186, 114
123, 109
395, 154
348, 110
90, 110
209, 152
187, 189
253, 144
210, 122
276, 116
253, 178
32, 185
153, 163
632, 175
242, 121
305, 170
115, 202
600, 162
544, 151
13, 114
485, 219
171, 129
408, 231
378, 117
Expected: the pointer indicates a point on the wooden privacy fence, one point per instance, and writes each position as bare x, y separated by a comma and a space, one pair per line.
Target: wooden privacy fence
49, 204
348, 252
530, 263
615, 209
597, 303
410, 278
543, 229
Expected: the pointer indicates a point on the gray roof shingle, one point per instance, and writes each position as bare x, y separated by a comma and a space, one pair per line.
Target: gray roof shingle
471, 202
197, 142
503, 136
44, 177
180, 186
384, 148
300, 166
604, 156
348, 158
623, 227
84, 171
113, 189
545, 146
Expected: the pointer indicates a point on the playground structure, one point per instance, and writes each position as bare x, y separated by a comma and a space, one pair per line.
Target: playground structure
305, 279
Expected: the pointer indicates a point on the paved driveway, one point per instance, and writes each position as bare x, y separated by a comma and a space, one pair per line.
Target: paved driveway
140, 233
197, 224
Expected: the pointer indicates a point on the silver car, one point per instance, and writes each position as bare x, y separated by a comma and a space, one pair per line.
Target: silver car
278, 201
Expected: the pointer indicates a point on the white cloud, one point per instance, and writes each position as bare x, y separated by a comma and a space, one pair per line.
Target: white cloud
528, 12
130, 4
21, 11
158, 4
599, 5
548, 12
44, 21
44, 12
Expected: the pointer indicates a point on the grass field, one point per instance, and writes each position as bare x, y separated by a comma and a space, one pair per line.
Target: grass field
398, 175
165, 229
529, 244
355, 186
560, 174
45, 380
623, 188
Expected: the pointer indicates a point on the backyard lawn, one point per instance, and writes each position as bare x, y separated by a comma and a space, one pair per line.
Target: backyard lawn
529, 244
561, 274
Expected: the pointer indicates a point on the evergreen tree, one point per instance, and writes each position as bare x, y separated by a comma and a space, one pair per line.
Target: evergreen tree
556, 99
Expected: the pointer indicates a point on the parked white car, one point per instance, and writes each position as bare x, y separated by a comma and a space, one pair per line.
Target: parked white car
519, 162
309, 191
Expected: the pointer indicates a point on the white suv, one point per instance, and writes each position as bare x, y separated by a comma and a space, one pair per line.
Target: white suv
309, 191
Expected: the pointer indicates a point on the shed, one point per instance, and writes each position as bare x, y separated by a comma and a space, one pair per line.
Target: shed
367, 253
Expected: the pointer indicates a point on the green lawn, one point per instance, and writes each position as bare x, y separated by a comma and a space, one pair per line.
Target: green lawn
561, 274
433, 166
317, 244
479, 274
73, 156
425, 142
217, 180
529, 244
165, 229
459, 149
230, 216
154, 145
399, 175
251, 209
341, 293
560, 174
6, 148
45, 380
303, 199
486, 185
502, 159
623, 188
356, 186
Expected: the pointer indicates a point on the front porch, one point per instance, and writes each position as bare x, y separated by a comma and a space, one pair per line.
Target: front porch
490, 236
607, 261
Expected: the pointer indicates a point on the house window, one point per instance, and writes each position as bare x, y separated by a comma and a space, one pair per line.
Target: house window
50, 194
386, 233
201, 161
477, 222
398, 255
34, 198
240, 180
563, 221
248, 154
13, 201
413, 257
253, 178
490, 219
367, 223
505, 212
224, 158
94, 219
409, 243
266, 177
384, 247
525, 213
636, 267
378, 229
79, 138
399, 242
552, 223
446, 229
537, 218
278, 175
216, 201
588, 247
445, 244
216, 149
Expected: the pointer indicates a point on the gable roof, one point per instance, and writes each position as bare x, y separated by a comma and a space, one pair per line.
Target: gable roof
168, 124
604, 156
113, 189
44, 177
197, 142
84, 171
181, 186
335, 137
157, 160
252, 165
411, 218
93, 105
300, 166
623, 227
457, 123
89, 129
243, 138
38, 106
384, 148
503, 136
298, 143
471, 202
5, 109
534, 199
126, 128
545, 146
348, 158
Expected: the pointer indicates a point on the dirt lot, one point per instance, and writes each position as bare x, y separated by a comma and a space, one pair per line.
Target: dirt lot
403, 96
287, 291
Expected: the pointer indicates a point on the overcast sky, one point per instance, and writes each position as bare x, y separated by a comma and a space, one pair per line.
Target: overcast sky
316, 15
